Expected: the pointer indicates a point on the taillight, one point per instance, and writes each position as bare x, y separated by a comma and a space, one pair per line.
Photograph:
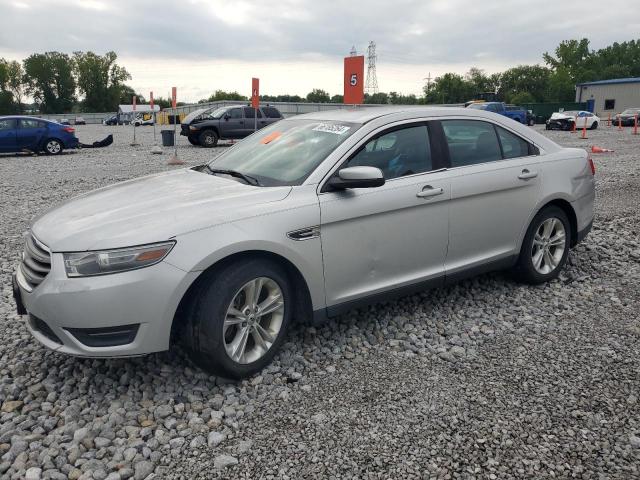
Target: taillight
592, 165
69, 129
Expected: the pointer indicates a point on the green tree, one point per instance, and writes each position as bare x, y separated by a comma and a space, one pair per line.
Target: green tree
220, 95
379, 98
575, 57
318, 95
522, 97
561, 87
126, 94
50, 81
449, 88
533, 79
337, 99
15, 84
6, 98
100, 79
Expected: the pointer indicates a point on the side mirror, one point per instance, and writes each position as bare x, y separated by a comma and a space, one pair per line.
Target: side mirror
227, 117
357, 177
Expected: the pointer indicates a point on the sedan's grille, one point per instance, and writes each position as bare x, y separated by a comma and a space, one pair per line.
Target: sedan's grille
36, 261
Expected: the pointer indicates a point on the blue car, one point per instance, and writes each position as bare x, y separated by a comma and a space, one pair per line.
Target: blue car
20, 133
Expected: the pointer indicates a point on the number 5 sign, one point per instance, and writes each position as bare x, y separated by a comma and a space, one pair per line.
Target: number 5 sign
353, 73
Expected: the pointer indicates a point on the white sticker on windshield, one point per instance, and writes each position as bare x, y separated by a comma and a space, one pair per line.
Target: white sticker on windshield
332, 128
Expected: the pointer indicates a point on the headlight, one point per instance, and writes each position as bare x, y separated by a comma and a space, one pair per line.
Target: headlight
81, 264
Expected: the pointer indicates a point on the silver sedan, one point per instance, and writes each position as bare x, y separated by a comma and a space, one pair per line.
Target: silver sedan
307, 218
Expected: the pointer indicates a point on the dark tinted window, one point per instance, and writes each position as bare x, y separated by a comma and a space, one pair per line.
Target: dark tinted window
271, 112
249, 112
397, 153
609, 104
235, 113
471, 142
30, 123
8, 124
512, 145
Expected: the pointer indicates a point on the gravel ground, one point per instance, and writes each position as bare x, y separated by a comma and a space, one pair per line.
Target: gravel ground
485, 379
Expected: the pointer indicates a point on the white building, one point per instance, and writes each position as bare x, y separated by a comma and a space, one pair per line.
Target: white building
610, 96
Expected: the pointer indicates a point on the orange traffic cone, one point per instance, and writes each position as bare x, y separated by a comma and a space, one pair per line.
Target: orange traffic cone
596, 149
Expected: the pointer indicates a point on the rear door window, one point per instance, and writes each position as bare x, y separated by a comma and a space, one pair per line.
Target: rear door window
471, 142
249, 112
31, 123
512, 145
271, 112
8, 124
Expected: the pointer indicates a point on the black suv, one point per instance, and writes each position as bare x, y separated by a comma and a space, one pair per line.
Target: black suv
206, 126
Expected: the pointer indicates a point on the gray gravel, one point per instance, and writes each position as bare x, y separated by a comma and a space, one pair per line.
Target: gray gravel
485, 379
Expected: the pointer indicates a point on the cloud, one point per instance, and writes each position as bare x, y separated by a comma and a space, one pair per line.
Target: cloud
412, 35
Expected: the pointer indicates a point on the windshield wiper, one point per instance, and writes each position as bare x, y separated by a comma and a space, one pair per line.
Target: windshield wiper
234, 173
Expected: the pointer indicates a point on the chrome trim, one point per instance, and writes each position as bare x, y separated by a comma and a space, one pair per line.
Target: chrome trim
304, 233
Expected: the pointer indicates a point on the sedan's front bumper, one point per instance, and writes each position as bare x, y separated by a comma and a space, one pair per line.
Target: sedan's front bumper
122, 314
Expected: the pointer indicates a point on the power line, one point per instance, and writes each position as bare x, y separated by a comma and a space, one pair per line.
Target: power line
371, 87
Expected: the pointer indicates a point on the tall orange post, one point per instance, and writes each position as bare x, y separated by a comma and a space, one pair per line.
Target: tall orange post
584, 129
575, 125
619, 122
609, 120
635, 124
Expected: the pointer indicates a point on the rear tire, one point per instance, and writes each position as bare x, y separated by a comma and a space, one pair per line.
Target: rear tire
208, 139
226, 312
545, 247
193, 140
53, 146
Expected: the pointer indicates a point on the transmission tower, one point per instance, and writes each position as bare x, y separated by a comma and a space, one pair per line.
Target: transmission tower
371, 86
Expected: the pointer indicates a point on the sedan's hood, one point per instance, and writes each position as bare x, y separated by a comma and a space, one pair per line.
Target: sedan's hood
561, 116
149, 209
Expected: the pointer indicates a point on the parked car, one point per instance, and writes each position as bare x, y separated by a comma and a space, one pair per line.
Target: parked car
65, 121
112, 120
565, 120
205, 127
627, 117
80, 121
18, 133
310, 217
518, 114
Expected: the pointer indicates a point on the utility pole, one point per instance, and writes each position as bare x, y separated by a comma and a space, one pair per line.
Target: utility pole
353, 51
428, 79
371, 87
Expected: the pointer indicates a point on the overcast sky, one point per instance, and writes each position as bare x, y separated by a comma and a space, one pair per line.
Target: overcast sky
297, 45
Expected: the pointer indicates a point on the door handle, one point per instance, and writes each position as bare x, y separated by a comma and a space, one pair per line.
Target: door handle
429, 191
526, 175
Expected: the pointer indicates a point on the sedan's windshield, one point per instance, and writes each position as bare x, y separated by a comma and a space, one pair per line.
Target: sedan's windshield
631, 111
285, 153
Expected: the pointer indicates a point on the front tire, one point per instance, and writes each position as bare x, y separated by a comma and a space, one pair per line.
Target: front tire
239, 318
545, 247
594, 125
208, 139
53, 146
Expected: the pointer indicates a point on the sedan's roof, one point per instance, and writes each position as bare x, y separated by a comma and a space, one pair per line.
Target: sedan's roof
365, 114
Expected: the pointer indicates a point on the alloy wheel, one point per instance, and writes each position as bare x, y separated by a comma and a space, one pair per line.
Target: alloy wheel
253, 320
53, 146
549, 244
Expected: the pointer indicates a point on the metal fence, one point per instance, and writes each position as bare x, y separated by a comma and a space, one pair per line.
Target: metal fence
88, 117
